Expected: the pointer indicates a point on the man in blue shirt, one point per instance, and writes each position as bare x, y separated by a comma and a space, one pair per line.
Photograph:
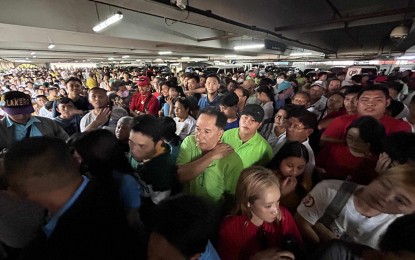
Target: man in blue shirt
85, 217
19, 122
212, 99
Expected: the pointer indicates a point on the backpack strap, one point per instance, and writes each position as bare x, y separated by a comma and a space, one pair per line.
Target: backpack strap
337, 204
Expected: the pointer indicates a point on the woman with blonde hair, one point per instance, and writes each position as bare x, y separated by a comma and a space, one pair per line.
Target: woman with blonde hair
259, 228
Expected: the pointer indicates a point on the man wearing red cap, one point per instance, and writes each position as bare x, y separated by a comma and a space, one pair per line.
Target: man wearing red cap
143, 102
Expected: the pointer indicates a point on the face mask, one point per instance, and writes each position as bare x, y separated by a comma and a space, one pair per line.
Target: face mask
125, 93
279, 81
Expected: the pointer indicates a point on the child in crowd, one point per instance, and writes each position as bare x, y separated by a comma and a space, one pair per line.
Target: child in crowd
229, 106
259, 226
266, 96
185, 123
289, 166
69, 117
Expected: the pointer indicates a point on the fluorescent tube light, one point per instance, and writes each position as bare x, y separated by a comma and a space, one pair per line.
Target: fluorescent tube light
51, 46
32, 53
125, 57
185, 58
113, 19
165, 52
248, 47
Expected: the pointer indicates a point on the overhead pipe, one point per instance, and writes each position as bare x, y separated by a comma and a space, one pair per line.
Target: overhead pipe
208, 13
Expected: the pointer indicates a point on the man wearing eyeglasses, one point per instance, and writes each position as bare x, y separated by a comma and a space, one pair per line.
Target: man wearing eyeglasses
206, 166
300, 125
247, 142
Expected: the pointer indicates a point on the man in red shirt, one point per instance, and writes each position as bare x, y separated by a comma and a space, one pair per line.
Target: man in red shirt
143, 102
371, 102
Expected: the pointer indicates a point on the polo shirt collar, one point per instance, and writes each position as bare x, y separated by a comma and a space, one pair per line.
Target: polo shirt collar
32, 120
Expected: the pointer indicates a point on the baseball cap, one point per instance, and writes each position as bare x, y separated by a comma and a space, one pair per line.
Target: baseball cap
254, 110
143, 81
283, 86
16, 103
317, 83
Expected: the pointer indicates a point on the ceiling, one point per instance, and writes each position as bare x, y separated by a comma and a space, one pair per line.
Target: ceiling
205, 30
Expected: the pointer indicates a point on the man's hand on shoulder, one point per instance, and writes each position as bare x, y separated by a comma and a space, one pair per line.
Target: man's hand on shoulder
221, 151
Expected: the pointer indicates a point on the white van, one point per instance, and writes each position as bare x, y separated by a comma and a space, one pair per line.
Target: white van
224, 69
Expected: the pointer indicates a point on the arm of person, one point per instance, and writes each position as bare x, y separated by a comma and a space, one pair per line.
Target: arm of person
102, 117
306, 229
311, 209
188, 171
334, 132
195, 91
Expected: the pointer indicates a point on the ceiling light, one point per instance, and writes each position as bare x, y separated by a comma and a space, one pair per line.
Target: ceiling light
249, 46
185, 58
113, 19
165, 52
51, 46
32, 53
230, 56
23, 61
110, 58
125, 57
300, 53
34, 57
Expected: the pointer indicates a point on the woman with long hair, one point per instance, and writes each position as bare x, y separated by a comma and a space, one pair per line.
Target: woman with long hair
289, 166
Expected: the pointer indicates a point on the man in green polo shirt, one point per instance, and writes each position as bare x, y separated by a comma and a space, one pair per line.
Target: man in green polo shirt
207, 167
248, 144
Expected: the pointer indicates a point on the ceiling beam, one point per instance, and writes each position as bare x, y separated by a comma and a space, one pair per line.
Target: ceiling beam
345, 19
218, 38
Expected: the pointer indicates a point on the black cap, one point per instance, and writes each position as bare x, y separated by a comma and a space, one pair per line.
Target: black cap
254, 110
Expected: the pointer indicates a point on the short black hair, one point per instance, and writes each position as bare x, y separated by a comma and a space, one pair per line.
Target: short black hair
395, 108
213, 75
357, 78
194, 76
400, 235
307, 118
168, 130
40, 157
400, 146
289, 149
64, 100
265, 81
268, 91
229, 100
352, 89
97, 89
149, 126
395, 85
115, 86
370, 131
73, 79
382, 88
186, 222
184, 101
221, 119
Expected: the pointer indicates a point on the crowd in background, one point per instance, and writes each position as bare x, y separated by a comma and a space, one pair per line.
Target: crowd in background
111, 163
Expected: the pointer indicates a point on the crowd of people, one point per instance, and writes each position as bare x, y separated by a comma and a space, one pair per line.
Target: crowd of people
116, 164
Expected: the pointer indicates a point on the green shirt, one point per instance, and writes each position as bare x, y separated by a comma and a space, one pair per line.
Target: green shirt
256, 151
218, 178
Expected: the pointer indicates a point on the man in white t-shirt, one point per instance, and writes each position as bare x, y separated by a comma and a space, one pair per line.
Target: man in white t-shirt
102, 116
366, 214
